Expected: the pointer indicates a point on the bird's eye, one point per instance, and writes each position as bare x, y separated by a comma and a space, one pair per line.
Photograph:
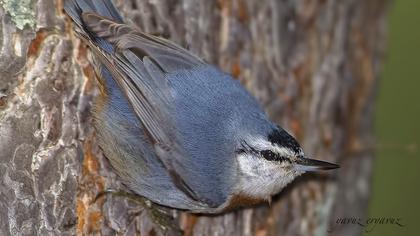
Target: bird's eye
269, 155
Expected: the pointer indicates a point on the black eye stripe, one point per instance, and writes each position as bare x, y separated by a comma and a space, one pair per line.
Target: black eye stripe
240, 151
271, 156
266, 154
246, 148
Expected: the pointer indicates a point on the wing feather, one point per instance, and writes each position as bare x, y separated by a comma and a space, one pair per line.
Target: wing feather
140, 64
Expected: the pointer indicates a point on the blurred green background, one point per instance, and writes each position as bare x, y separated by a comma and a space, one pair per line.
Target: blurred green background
396, 187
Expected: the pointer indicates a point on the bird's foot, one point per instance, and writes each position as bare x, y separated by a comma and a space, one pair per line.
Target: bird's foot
159, 215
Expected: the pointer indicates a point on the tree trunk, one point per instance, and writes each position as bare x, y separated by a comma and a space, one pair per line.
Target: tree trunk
312, 64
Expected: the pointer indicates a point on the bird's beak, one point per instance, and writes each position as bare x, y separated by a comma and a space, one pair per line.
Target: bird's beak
306, 164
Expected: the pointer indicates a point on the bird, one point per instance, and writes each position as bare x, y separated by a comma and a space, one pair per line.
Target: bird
177, 130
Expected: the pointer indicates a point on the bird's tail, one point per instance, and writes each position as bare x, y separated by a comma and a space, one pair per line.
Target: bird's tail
105, 8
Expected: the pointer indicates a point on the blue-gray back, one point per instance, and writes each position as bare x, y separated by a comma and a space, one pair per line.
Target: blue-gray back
213, 112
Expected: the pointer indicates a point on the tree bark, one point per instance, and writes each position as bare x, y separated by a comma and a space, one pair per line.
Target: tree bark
312, 64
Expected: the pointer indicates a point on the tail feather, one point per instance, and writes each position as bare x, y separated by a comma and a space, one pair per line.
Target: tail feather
105, 8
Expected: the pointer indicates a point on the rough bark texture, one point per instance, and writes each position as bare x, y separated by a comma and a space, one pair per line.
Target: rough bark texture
312, 64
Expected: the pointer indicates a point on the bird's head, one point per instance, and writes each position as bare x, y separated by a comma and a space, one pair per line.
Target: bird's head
267, 163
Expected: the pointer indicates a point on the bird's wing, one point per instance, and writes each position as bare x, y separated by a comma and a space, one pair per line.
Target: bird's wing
140, 64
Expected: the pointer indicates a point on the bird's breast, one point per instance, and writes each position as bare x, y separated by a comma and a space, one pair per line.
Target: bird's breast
241, 200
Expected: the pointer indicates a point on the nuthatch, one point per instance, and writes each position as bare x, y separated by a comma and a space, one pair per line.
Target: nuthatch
177, 130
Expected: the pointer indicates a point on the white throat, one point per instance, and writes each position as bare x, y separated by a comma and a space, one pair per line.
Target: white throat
259, 178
